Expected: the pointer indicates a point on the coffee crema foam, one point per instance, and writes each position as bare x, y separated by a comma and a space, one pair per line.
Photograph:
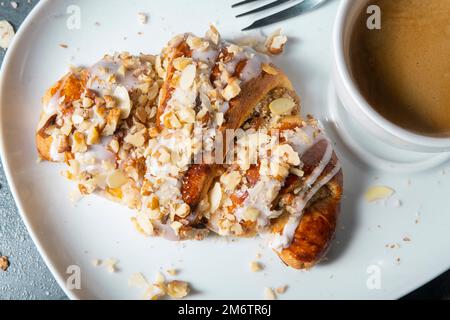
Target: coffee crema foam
403, 69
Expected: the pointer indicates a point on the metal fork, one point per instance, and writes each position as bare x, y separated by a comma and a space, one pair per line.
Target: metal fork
304, 6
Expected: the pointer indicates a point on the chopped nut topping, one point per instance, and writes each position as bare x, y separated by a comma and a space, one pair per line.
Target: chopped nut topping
232, 90
251, 214
215, 197
282, 106
116, 179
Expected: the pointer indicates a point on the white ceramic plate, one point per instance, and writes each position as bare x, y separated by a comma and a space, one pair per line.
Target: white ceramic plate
217, 268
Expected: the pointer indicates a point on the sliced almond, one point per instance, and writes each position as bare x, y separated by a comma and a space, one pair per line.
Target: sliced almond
231, 180
186, 115
215, 197
116, 179
123, 100
281, 106
6, 34
213, 34
251, 214
267, 68
188, 76
269, 294
181, 63
137, 280
377, 193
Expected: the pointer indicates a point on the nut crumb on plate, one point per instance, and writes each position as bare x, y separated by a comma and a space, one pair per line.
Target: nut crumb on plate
269, 294
111, 265
96, 262
6, 34
255, 266
275, 42
142, 18
172, 272
377, 193
4, 263
281, 290
178, 289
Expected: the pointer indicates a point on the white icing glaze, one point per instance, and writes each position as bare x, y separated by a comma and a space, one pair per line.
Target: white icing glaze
91, 160
296, 210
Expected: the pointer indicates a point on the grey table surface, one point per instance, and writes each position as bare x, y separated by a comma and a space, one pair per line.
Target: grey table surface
28, 277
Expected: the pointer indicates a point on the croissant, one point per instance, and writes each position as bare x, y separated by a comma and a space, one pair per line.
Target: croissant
205, 137
97, 120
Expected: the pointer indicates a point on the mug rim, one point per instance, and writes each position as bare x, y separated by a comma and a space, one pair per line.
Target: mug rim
350, 86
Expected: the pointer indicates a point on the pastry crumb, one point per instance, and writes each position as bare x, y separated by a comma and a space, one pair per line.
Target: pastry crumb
63, 45
4, 263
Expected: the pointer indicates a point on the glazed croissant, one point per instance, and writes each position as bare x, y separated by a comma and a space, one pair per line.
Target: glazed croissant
205, 137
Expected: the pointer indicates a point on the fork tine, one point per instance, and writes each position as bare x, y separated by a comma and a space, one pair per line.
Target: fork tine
242, 2
265, 7
290, 12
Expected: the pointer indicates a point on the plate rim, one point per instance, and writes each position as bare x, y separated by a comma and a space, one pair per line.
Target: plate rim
26, 24
22, 30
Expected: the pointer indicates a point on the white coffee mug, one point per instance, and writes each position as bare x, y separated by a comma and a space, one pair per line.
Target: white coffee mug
356, 104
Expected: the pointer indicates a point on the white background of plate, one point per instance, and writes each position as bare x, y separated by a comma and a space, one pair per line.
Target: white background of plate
216, 268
